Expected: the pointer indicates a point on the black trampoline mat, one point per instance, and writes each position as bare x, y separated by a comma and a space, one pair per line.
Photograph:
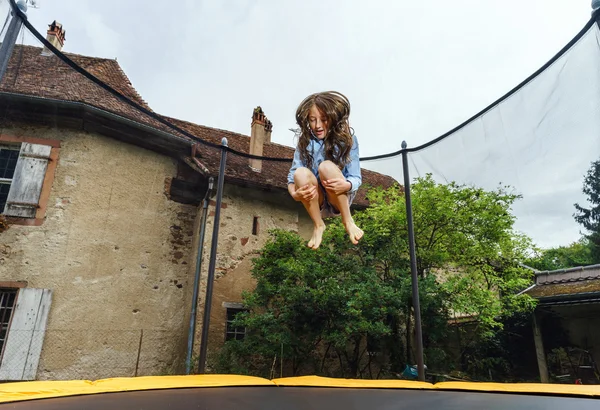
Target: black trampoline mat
297, 398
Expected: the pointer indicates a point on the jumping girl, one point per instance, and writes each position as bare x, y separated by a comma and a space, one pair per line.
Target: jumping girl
325, 174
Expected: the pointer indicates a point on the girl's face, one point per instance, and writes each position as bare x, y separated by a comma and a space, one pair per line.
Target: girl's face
318, 123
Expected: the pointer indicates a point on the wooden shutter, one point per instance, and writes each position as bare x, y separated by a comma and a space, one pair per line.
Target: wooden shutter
26, 335
26, 186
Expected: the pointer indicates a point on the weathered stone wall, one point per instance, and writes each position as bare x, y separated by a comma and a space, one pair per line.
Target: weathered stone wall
115, 251
238, 246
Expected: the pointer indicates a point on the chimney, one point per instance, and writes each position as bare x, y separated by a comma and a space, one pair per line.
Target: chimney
56, 37
260, 134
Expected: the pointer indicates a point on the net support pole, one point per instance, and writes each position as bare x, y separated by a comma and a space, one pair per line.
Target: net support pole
213, 259
413, 265
193, 315
12, 32
540, 353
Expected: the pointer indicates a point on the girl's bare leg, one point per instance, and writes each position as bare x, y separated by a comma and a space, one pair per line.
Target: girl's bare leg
302, 177
328, 170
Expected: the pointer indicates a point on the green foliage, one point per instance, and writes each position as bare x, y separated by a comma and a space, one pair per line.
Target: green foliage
307, 300
576, 254
589, 218
508, 355
470, 230
344, 310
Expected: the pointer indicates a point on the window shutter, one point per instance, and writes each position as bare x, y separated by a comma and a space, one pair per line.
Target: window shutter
26, 335
26, 187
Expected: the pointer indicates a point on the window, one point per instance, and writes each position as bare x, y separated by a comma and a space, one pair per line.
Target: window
27, 168
255, 226
7, 305
232, 332
23, 318
8, 162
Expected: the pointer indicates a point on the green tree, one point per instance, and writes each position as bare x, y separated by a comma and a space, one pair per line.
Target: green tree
589, 218
315, 305
576, 254
345, 310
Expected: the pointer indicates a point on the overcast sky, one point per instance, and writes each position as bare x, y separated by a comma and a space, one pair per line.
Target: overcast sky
412, 69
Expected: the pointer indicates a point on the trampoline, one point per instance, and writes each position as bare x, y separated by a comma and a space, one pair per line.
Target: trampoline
578, 87
210, 392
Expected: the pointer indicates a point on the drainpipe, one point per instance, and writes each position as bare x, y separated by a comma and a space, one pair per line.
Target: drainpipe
212, 263
209, 193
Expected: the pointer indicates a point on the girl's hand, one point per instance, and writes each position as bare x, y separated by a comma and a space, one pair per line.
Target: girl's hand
337, 185
305, 194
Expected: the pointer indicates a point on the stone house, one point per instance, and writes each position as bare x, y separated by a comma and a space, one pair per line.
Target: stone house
104, 209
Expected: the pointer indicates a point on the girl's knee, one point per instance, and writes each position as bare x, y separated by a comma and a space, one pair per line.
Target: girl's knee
303, 176
328, 169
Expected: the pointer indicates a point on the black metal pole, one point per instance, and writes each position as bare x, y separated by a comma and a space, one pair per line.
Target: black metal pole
193, 315
213, 260
12, 33
413, 265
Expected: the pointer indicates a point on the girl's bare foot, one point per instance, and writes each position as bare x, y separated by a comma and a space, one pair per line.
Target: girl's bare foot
354, 232
317, 236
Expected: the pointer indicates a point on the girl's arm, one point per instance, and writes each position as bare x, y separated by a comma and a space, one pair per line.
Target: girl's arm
353, 174
296, 163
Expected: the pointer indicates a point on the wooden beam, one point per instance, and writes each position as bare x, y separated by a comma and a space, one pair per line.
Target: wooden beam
17, 284
539, 349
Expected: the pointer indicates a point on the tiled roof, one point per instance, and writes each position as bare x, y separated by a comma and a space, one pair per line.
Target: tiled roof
568, 275
31, 73
566, 282
564, 289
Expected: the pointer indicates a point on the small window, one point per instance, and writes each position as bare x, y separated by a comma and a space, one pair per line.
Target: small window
232, 332
9, 154
7, 305
255, 226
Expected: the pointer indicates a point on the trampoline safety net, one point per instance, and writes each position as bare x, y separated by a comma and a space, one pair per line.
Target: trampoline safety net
117, 191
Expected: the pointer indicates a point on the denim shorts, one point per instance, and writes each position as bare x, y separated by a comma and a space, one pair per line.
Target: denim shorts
327, 209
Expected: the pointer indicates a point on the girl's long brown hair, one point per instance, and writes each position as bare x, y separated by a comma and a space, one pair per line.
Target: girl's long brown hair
338, 141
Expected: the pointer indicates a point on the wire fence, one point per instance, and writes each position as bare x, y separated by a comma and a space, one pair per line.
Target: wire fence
91, 354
